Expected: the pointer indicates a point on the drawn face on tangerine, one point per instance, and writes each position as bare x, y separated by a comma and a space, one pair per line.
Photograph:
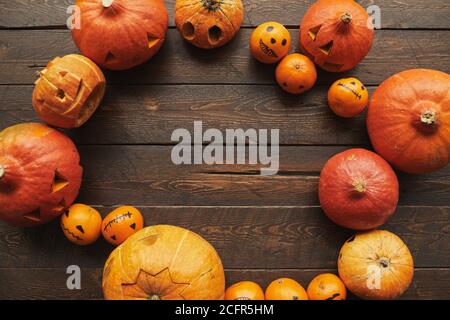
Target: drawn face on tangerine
348, 97
327, 286
121, 223
270, 42
81, 224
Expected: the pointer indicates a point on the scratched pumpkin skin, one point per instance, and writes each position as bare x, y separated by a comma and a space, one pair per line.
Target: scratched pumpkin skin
270, 42
348, 97
121, 223
164, 262
81, 224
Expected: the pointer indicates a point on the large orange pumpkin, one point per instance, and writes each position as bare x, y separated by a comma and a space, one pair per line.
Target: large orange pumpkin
120, 34
409, 120
337, 34
376, 265
208, 23
358, 189
164, 263
40, 174
68, 91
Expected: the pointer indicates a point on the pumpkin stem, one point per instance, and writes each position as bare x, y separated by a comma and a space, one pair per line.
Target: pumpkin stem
107, 3
2, 171
211, 5
154, 297
359, 186
428, 117
346, 18
384, 262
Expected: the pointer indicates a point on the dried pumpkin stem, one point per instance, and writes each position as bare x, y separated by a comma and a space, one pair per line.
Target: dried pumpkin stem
2, 171
359, 186
428, 117
346, 18
154, 297
107, 3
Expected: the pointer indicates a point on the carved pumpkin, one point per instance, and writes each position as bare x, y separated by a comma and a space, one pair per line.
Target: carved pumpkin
326, 286
68, 91
121, 223
244, 290
270, 42
81, 224
409, 120
120, 34
376, 265
285, 289
40, 174
337, 34
208, 23
358, 189
296, 73
164, 263
348, 97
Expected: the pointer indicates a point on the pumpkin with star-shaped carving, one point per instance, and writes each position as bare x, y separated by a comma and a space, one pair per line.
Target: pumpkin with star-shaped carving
164, 262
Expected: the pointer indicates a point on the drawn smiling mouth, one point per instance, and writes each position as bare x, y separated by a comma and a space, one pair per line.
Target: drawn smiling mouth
358, 96
265, 48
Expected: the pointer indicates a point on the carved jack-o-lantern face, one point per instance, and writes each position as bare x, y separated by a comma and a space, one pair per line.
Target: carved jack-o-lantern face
68, 91
81, 224
270, 42
348, 97
121, 223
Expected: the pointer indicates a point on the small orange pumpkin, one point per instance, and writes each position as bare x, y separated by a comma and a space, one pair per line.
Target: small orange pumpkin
270, 42
348, 97
68, 91
296, 73
327, 286
81, 224
121, 223
285, 289
244, 290
208, 23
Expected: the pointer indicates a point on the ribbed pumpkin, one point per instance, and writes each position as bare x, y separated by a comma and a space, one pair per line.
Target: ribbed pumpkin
164, 263
409, 120
337, 34
68, 91
40, 174
120, 34
208, 23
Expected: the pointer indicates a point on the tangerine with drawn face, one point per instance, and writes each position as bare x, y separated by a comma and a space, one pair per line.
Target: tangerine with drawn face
348, 97
296, 73
270, 42
121, 223
81, 224
244, 290
285, 289
327, 286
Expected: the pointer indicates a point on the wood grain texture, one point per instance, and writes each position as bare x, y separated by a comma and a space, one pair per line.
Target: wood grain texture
394, 14
245, 237
24, 52
50, 283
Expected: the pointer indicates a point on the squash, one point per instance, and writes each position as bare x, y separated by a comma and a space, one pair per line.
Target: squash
164, 263
408, 120
208, 23
81, 224
270, 42
348, 97
68, 91
244, 290
120, 34
336, 34
376, 265
358, 189
327, 286
40, 174
296, 73
285, 289
121, 223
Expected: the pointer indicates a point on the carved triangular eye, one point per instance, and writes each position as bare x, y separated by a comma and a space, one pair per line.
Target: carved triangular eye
59, 182
326, 49
313, 32
33, 216
152, 41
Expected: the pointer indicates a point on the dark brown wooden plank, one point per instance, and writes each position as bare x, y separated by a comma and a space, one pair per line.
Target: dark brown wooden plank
245, 237
23, 52
51, 283
394, 14
149, 114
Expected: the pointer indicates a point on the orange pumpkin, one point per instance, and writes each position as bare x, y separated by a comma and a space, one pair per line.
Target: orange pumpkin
285, 289
121, 223
120, 34
326, 286
244, 290
376, 265
40, 174
81, 224
337, 34
296, 73
208, 23
270, 42
164, 263
348, 97
68, 91
409, 120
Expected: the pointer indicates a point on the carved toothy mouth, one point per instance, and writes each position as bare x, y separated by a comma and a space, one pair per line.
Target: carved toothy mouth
265, 48
357, 95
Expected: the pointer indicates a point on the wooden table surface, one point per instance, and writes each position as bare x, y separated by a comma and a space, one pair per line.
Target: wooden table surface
263, 227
